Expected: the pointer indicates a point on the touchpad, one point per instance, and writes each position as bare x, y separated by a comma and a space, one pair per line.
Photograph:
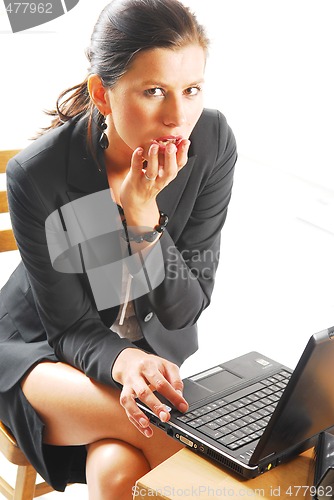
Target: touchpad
219, 381
211, 381
193, 392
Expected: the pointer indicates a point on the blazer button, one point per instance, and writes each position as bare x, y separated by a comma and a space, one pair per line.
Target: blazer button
148, 317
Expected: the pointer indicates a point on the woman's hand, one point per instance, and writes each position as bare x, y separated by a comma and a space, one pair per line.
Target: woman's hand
141, 186
140, 374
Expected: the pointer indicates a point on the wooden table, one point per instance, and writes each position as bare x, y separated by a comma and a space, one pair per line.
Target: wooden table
188, 475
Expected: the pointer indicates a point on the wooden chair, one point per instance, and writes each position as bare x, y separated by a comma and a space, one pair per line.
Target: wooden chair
25, 487
7, 241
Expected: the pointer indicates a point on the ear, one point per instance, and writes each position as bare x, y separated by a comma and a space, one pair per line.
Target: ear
98, 94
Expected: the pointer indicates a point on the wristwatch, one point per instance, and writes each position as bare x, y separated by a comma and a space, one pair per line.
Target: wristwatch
149, 236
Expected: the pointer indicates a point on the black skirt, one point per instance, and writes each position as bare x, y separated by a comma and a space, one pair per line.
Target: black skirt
58, 465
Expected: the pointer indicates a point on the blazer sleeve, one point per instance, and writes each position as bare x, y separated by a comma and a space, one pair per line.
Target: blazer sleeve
191, 260
66, 309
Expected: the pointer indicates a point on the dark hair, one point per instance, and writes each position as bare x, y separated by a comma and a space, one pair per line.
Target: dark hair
123, 29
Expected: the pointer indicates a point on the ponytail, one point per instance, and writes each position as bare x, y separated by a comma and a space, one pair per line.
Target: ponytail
70, 103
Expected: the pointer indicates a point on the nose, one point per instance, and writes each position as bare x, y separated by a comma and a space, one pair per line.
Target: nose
174, 112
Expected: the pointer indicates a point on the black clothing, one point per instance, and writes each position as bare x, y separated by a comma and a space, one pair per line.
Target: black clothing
46, 314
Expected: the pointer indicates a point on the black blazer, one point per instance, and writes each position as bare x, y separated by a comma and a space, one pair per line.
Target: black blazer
49, 314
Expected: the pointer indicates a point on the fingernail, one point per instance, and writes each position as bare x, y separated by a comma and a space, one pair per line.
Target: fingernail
183, 407
154, 149
143, 422
140, 151
170, 148
163, 415
161, 172
148, 432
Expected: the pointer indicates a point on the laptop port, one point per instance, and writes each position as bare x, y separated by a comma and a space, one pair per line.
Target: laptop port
170, 432
186, 441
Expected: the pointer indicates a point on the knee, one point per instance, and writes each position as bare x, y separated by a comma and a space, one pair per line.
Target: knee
113, 467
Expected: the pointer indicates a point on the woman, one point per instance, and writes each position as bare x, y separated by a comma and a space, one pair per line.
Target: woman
74, 354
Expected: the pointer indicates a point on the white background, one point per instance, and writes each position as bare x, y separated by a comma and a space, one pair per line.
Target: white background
270, 72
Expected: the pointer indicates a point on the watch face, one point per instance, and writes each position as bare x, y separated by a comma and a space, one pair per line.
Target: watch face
150, 236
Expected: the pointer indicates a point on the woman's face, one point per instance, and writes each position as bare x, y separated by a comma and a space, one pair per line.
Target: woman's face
159, 99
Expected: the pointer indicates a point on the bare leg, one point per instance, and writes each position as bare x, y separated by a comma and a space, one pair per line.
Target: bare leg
113, 468
77, 411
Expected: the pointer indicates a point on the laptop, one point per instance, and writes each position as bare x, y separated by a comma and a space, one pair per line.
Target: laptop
252, 413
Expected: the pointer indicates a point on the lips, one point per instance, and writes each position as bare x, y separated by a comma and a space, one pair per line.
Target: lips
164, 141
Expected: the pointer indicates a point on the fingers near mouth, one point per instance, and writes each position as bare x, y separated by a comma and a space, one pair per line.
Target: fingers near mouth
164, 141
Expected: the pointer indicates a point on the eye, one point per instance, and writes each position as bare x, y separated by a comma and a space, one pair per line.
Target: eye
193, 91
155, 92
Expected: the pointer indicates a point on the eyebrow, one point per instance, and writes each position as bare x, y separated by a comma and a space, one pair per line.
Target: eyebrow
161, 84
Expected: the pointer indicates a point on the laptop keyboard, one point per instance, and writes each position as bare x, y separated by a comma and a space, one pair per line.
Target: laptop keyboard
241, 417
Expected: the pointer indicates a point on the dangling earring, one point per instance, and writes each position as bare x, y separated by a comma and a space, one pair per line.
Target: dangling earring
103, 141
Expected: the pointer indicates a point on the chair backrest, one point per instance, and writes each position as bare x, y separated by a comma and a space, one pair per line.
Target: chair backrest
7, 240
